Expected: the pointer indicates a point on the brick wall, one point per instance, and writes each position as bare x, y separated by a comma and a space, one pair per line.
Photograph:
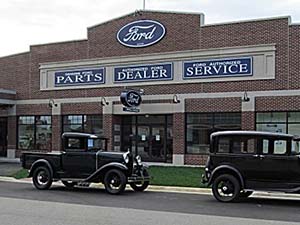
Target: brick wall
281, 103
178, 133
195, 160
81, 108
294, 52
213, 105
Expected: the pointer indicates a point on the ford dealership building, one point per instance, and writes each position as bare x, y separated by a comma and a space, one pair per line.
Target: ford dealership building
156, 83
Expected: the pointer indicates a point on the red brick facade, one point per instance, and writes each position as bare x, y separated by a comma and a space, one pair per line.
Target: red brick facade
184, 32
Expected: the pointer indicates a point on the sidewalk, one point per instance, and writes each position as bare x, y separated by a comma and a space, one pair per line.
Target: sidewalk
9, 166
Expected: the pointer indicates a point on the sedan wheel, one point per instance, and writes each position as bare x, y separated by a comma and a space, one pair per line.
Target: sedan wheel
226, 188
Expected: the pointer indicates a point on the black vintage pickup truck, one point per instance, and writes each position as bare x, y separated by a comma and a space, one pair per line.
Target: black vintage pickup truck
84, 160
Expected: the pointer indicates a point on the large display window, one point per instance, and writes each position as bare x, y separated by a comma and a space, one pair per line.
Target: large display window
34, 133
199, 127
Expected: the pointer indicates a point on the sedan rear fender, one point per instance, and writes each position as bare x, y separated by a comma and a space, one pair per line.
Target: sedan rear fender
38, 163
226, 169
99, 174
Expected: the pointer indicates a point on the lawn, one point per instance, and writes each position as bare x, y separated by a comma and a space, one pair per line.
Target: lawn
176, 176
161, 175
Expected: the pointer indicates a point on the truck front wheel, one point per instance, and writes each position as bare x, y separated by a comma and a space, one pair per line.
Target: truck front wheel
42, 178
114, 181
141, 186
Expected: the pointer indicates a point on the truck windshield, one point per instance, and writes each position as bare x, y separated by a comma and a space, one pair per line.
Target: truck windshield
295, 147
96, 144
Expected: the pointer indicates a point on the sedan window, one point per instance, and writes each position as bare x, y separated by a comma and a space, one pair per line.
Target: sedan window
295, 147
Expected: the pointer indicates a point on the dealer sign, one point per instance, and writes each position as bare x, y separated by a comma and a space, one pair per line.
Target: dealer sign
141, 33
80, 77
218, 68
138, 73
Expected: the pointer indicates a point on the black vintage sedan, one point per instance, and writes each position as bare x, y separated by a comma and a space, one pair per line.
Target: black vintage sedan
241, 162
84, 160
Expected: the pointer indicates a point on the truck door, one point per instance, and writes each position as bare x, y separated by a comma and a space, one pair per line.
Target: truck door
77, 160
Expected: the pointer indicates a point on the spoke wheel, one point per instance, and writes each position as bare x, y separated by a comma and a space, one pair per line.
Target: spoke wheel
42, 178
226, 188
115, 181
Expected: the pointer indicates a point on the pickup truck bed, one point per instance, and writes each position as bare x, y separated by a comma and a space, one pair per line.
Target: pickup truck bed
54, 158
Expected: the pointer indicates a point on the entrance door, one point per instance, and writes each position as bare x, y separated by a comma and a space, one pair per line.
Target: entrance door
3, 137
151, 142
157, 143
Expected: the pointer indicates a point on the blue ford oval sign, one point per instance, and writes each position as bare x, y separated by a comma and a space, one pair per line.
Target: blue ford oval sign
141, 33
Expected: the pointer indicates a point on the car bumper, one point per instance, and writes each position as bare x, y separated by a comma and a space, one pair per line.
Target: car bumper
140, 174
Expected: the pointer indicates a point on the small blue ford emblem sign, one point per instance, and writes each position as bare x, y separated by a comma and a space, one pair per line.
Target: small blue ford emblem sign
131, 100
141, 33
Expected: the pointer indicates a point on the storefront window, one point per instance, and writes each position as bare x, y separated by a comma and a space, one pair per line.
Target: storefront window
280, 122
83, 123
199, 127
34, 132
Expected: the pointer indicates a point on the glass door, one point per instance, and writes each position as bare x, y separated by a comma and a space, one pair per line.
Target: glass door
3, 137
157, 143
143, 141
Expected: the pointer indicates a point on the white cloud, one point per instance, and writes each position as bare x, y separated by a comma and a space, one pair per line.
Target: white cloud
24, 23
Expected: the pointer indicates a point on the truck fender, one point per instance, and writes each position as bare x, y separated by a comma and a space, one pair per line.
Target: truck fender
112, 165
40, 162
226, 168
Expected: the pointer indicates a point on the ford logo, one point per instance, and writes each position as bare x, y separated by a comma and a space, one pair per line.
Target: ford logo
141, 33
131, 98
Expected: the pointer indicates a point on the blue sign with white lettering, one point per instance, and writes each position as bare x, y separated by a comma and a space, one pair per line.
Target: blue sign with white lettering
80, 77
218, 68
141, 33
143, 73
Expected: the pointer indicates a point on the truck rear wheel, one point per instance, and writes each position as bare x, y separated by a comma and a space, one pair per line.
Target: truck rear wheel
114, 181
42, 178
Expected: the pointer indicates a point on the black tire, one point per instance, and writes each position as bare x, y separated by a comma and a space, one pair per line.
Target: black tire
245, 194
69, 184
42, 178
226, 188
140, 186
115, 181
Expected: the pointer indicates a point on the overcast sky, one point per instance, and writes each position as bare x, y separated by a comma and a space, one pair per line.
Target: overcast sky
28, 22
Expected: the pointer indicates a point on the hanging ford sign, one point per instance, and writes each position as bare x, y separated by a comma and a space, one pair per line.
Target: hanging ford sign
131, 99
141, 33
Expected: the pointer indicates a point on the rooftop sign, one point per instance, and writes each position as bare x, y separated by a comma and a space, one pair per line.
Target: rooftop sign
141, 33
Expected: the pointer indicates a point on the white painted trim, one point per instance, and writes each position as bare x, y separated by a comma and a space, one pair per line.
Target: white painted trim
6, 91
7, 102
213, 52
274, 93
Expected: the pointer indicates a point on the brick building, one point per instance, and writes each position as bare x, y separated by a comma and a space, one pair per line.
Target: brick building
195, 79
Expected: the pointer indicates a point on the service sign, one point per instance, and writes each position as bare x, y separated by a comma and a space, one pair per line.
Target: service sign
143, 73
218, 68
80, 77
141, 33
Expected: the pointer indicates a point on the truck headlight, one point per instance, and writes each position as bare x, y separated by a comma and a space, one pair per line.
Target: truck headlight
138, 159
126, 157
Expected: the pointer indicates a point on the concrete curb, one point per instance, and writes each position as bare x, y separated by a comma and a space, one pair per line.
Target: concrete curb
170, 189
